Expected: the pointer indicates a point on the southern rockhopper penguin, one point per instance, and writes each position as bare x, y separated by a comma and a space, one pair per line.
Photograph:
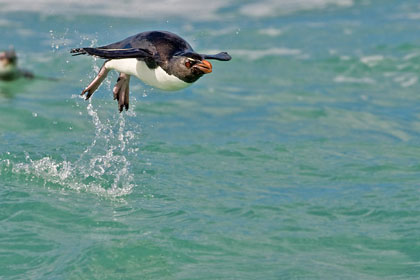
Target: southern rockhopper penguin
159, 58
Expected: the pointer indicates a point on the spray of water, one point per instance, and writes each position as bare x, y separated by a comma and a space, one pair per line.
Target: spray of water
103, 167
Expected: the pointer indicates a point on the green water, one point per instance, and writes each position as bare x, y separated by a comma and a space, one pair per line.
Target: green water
298, 159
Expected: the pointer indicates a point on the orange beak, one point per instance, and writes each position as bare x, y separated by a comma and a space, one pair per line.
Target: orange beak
204, 66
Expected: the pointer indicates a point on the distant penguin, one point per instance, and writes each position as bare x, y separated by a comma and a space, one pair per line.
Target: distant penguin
159, 58
8, 67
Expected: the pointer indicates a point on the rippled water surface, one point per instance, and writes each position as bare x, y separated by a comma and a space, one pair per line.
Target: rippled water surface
298, 159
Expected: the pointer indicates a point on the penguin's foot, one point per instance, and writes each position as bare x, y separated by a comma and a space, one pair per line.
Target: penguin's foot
93, 86
121, 91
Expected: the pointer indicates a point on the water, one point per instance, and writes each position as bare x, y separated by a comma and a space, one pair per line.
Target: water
298, 159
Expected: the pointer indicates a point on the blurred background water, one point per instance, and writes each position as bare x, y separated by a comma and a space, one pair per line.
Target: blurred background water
298, 159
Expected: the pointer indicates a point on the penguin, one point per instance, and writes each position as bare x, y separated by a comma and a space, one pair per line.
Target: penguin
8, 67
158, 58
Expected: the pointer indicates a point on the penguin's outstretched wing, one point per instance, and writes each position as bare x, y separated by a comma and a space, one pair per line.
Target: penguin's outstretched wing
114, 53
222, 56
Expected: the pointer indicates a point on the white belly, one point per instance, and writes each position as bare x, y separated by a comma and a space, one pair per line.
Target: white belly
154, 77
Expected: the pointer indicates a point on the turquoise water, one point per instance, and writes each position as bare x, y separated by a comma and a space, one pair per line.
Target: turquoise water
298, 159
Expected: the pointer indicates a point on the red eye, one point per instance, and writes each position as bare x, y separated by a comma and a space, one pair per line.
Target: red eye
188, 64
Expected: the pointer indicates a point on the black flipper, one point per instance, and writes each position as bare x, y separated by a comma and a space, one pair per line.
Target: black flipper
223, 56
113, 53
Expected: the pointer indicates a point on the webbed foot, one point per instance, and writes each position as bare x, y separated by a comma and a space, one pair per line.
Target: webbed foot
93, 86
121, 91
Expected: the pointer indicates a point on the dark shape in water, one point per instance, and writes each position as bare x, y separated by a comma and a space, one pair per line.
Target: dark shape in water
8, 67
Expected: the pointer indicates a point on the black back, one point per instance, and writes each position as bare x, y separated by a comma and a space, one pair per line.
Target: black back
159, 43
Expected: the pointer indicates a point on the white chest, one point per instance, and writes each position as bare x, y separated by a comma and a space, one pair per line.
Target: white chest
154, 77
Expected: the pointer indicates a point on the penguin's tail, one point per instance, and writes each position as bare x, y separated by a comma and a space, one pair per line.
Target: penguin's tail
78, 51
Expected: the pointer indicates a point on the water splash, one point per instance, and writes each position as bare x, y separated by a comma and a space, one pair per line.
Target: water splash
103, 167
59, 39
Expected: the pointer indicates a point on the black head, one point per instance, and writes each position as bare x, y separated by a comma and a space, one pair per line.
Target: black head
189, 67
8, 58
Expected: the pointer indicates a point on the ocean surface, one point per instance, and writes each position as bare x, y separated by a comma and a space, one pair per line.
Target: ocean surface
298, 159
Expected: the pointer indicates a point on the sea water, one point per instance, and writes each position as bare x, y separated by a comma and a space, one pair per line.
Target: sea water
298, 159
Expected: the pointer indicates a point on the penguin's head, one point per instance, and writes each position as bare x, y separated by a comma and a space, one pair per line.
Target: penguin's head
189, 67
8, 58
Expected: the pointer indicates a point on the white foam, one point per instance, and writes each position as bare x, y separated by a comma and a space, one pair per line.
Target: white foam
353, 80
257, 54
413, 16
372, 60
411, 55
406, 80
273, 32
266, 8
5, 22
224, 31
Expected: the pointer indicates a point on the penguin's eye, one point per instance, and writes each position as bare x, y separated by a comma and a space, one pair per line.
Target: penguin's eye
190, 62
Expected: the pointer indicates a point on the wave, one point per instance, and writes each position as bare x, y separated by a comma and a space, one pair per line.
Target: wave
192, 10
130, 8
